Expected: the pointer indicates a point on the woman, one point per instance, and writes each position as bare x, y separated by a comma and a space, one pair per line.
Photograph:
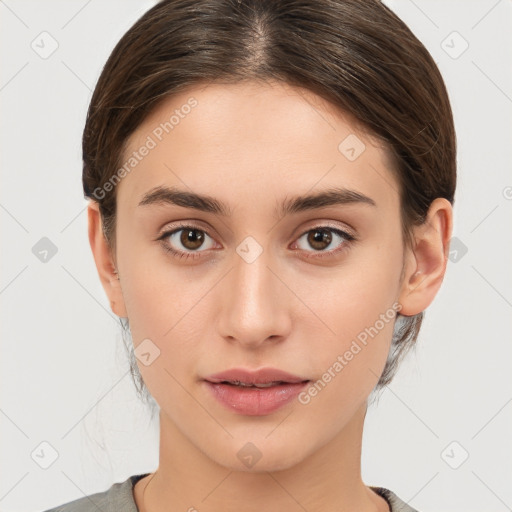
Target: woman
271, 187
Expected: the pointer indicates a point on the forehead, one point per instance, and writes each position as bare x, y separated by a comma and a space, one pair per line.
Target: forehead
248, 141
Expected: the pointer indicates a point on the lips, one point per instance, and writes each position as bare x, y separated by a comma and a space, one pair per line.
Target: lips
254, 393
262, 378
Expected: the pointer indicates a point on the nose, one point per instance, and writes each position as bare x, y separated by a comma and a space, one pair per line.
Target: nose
254, 303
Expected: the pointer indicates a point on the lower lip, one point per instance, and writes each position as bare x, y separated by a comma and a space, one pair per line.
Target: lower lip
253, 401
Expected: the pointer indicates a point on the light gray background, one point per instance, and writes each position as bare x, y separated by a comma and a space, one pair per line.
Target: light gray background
64, 373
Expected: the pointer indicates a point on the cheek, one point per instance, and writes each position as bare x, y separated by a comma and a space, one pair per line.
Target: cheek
161, 309
169, 305
155, 290
357, 305
353, 295
161, 305
347, 364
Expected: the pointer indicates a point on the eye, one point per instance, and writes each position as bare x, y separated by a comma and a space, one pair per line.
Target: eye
188, 239
321, 237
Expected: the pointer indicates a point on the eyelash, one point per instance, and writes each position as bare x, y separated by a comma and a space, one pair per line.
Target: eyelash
197, 254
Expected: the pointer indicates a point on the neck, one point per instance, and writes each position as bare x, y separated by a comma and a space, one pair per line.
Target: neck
328, 480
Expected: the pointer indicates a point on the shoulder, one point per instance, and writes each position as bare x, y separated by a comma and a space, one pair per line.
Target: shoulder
118, 497
395, 503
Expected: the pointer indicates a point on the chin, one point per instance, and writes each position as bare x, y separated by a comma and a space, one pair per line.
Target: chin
259, 456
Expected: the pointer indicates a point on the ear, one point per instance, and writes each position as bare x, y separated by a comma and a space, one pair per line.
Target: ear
105, 262
425, 263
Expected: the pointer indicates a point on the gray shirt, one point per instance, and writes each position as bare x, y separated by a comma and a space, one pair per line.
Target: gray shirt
119, 498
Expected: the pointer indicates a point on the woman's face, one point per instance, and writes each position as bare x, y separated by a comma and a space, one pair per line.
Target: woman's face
256, 284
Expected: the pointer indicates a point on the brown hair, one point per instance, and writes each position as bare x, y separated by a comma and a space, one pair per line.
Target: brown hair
356, 54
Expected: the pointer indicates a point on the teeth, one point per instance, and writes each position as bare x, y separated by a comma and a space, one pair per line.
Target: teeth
245, 385
268, 385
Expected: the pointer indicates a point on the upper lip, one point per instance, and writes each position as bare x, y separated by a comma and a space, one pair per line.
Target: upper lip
261, 376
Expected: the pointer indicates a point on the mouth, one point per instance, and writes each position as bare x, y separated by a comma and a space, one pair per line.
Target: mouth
255, 393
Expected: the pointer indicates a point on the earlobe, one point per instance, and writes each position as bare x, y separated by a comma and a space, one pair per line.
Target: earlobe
427, 260
104, 260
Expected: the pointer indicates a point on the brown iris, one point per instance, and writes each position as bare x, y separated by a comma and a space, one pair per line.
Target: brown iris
317, 238
194, 237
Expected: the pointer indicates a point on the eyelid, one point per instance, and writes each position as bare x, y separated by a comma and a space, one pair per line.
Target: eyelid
328, 224
171, 228
197, 224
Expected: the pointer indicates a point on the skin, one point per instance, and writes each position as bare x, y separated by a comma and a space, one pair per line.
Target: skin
251, 145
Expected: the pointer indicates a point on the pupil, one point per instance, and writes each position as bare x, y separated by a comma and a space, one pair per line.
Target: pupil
192, 238
320, 239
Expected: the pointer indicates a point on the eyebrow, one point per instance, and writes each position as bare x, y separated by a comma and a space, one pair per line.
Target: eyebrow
331, 197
